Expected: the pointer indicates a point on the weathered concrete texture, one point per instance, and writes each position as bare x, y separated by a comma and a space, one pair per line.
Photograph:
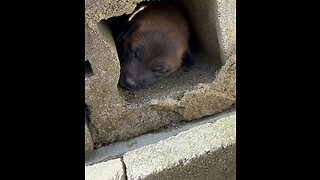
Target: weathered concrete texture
109, 170
204, 152
88, 140
96, 10
217, 165
203, 22
206, 98
100, 51
116, 149
207, 89
214, 24
122, 122
226, 27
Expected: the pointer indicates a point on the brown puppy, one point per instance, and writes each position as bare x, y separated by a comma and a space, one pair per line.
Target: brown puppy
153, 44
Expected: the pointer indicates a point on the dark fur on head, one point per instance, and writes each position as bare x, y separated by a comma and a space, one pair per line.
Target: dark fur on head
152, 46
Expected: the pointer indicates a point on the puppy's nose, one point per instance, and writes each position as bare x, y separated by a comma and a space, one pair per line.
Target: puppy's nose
130, 82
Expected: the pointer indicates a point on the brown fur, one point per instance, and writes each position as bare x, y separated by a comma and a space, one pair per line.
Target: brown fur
154, 45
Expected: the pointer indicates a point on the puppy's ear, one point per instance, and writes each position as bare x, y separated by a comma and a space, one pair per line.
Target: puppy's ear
129, 28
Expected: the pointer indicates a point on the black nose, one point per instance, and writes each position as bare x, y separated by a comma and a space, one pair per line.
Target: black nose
130, 82
127, 82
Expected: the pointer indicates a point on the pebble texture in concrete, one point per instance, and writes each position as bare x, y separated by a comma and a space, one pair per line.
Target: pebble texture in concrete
226, 25
116, 149
109, 170
88, 140
203, 152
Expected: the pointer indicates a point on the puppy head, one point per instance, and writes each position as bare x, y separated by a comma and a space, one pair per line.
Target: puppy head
145, 57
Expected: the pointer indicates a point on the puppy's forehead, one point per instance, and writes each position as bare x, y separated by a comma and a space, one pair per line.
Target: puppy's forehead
156, 43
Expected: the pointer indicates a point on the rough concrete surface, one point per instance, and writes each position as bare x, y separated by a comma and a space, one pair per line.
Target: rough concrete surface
226, 23
110, 170
203, 23
88, 140
116, 149
208, 88
203, 152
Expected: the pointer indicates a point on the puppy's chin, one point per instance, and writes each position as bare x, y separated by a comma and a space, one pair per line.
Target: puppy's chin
130, 88
124, 86
127, 87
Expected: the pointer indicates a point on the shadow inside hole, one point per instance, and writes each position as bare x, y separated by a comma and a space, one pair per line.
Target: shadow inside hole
116, 24
88, 70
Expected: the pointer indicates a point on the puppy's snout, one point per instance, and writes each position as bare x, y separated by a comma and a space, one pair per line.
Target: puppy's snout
130, 82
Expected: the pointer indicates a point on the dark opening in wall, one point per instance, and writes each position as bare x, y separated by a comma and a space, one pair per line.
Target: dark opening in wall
88, 70
204, 47
116, 24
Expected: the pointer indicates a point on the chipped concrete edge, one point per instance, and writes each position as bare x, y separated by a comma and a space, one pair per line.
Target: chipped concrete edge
190, 154
112, 169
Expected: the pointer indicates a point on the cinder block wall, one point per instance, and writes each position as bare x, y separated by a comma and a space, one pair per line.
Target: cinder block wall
208, 88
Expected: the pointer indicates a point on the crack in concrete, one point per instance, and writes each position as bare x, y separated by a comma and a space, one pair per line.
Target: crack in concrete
124, 168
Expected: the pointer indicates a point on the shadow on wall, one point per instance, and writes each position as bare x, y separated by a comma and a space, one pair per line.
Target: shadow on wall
88, 70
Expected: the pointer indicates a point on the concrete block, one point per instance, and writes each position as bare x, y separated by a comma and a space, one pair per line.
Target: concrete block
88, 140
202, 18
226, 27
117, 149
214, 24
204, 152
109, 170
208, 88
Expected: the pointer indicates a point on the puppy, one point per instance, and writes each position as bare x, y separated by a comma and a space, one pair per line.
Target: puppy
153, 44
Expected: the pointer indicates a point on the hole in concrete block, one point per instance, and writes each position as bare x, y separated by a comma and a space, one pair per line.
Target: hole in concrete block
88, 70
204, 44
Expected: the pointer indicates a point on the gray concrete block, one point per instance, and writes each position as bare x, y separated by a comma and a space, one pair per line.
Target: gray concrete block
207, 89
117, 149
226, 27
109, 170
206, 98
88, 140
203, 152
202, 18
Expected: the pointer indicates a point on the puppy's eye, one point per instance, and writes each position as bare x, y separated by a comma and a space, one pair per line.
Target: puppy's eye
134, 50
159, 68
137, 53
